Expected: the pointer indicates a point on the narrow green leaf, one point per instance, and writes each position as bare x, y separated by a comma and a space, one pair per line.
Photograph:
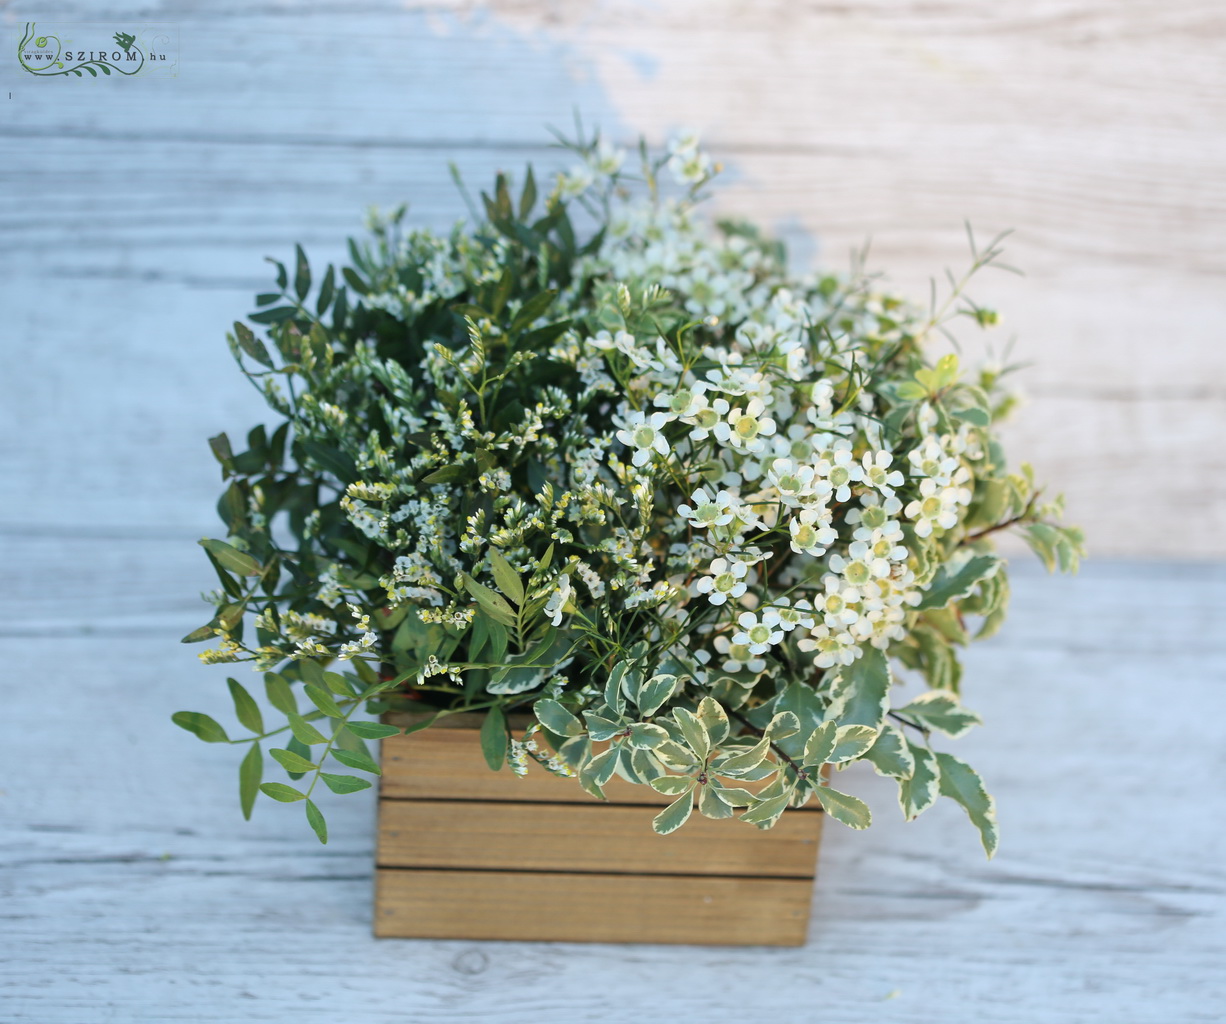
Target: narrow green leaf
197, 635
280, 695
231, 558
372, 730
250, 772
201, 725
356, 759
506, 577
495, 606
323, 700
280, 791
532, 310
344, 783
316, 819
290, 761
843, 807
326, 291
245, 707
304, 731
494, 738
302, 274
252, 345
674, 815
962, 784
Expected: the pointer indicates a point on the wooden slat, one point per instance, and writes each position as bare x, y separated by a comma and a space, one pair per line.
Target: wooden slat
560, 837
590, 908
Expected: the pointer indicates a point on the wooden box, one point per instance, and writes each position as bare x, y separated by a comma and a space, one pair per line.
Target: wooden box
467, 853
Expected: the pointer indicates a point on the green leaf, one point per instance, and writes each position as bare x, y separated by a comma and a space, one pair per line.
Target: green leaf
941, 710
372, 730
302, 274
252, 345
861, 692
890, 755
674, 815
919, 792
231, 558
316, 819
344, 783
290, 761
280, 695
490, 601
532, 310
282, 280
673, 785
506, 577
197, 635
280, 791
326, 291
654, 693
949, 586
354, 281
556, 718
272, 316
304, 731
329, 460
962, 784
356, 759
323, 700
850, 742
843, 807
250, 772
494, 738
245, 707
200, 724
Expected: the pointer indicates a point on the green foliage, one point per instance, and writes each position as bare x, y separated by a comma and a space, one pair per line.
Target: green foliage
690, 511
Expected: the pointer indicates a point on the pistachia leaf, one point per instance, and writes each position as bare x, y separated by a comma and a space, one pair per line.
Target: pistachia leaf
355, 759
961, 783
919, 792
506, 577
304, 731
344, 783
890, 755
290, 761
844, 807
694, 732
674, 815
231, 558
316, 819
493, 738
372, 730
250, 772
673, 785
942, 710
323, 700
556, 718
850, 742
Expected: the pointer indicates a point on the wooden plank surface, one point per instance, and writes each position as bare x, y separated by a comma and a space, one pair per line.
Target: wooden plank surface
132, 891
139, 211
493, 905
561, 837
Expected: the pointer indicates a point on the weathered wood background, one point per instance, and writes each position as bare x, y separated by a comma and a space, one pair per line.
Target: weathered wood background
134, 217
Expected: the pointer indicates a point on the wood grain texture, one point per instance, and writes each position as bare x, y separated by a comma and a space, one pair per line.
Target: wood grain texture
136, 214
564, 837
132, 891
494, 905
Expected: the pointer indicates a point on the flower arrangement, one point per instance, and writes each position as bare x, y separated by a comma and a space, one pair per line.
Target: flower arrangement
612, 465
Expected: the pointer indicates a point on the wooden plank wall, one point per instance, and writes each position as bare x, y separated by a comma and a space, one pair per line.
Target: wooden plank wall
135, 213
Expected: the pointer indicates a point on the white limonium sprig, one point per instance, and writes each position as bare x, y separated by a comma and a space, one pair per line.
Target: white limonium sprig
600, 460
